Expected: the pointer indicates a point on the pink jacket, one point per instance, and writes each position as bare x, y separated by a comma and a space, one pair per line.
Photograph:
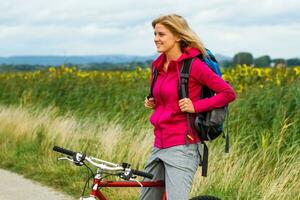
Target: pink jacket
170, 124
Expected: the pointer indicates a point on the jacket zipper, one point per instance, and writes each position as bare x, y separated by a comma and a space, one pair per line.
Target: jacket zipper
163, 105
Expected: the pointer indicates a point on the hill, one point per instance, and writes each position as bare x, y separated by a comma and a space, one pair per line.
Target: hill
81, 60
59, 60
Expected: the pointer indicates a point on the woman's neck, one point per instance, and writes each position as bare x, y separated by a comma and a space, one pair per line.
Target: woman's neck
174, 54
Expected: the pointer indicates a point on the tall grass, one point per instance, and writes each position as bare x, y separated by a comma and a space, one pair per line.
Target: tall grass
263, 162
28, 135
86, 94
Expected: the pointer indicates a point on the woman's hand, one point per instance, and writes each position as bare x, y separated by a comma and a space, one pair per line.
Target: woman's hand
149, 103
186, 105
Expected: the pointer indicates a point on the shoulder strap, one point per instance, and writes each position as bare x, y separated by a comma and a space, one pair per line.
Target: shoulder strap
184, 79
183, 91
154, 77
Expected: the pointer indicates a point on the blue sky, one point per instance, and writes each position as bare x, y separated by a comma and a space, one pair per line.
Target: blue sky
94, 27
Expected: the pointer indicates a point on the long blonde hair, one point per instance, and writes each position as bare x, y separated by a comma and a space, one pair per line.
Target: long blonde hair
180, 28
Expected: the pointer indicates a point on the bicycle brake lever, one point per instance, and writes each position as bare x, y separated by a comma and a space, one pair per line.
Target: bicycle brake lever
66, 158
71, 160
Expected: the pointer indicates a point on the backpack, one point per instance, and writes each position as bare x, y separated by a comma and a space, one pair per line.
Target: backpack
208, 125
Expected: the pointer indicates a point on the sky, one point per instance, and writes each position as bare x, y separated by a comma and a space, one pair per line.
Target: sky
97, 27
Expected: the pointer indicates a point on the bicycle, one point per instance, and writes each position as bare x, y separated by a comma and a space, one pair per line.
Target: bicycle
105, 169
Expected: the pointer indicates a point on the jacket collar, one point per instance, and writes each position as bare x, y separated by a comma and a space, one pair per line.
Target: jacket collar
186, 54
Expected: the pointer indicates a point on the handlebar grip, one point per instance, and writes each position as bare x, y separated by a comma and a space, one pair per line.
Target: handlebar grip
140, 173
64, 151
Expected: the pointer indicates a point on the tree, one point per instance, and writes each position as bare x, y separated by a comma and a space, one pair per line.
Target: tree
263, 61
293, 62
279, 62
243, 58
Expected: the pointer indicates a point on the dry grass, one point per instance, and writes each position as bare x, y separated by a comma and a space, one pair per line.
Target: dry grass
264, 173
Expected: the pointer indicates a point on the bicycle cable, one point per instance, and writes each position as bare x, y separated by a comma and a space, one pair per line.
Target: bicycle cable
89, 170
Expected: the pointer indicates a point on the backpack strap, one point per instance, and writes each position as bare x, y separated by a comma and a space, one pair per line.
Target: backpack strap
154, 77
204, 163
183, 91
227, 135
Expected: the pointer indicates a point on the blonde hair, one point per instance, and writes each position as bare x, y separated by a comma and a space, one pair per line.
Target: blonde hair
180, 28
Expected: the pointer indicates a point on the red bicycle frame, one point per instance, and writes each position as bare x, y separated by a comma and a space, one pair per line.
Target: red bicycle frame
98, 183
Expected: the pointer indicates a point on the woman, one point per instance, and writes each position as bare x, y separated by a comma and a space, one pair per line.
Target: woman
171, 158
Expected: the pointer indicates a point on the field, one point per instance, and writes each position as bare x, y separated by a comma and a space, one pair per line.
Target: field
102, 114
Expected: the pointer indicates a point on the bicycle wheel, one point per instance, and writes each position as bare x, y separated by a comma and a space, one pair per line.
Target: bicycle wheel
205, 197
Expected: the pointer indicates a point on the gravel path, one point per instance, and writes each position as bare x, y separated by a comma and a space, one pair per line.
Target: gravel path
16, 187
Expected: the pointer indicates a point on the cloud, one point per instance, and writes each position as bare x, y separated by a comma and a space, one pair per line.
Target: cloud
259, 40
245, 13
124, 26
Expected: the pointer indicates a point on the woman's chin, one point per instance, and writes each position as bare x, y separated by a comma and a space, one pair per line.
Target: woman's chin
159, 50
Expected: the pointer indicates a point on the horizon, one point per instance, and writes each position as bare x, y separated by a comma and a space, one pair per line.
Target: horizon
132, 55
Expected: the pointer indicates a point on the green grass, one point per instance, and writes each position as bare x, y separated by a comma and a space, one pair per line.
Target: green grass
118, 98
109, 121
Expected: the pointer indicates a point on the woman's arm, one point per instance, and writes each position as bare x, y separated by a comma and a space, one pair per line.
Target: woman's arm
224, 92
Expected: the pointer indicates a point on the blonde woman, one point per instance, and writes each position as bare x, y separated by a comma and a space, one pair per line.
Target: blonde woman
175, 155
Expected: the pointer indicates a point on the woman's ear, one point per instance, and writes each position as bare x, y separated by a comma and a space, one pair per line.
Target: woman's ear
177, 39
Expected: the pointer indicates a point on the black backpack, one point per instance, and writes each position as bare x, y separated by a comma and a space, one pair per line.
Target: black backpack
208, 125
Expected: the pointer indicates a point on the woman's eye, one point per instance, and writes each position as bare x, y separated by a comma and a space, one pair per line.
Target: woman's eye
159, 34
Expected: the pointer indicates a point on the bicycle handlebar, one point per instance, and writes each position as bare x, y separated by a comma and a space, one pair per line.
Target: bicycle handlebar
141, 173
103, 164
64, 151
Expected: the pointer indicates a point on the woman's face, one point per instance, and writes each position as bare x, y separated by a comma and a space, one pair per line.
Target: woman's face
164, 39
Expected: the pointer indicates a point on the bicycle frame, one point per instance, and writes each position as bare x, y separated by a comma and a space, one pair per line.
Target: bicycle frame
98, 183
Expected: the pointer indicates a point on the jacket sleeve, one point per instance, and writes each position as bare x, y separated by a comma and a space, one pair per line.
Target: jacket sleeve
224, 92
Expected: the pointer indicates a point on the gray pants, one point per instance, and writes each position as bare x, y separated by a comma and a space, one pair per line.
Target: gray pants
177, 166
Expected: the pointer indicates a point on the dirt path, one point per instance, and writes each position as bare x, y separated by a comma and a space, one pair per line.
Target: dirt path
16, 187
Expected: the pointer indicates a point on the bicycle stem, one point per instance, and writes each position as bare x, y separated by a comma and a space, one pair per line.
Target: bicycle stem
103, 164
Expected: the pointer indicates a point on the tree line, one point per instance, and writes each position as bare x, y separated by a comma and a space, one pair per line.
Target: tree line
238, 59
262, 61
106, 66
